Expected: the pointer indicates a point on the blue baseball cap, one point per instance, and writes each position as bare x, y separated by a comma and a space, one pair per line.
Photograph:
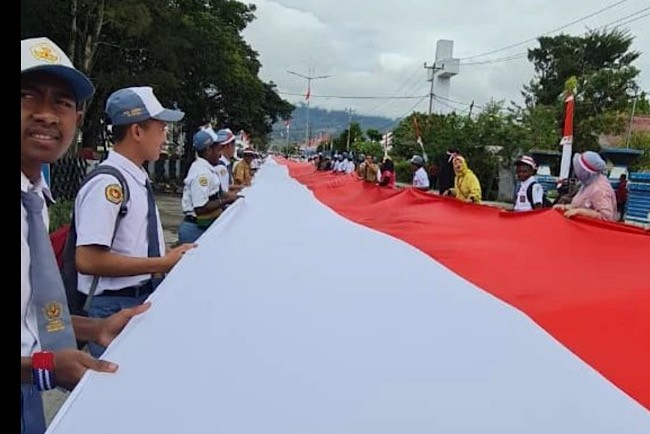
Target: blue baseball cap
136, 104
202, 139
41, 54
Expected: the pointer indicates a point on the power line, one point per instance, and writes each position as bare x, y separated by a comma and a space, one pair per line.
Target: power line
355, 97
437, 99
626, 17
546, 33
525, 54
478, 106
636, 19
388, 125
497, 60
403, 85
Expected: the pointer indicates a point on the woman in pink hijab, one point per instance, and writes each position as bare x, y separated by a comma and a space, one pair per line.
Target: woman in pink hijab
596, 197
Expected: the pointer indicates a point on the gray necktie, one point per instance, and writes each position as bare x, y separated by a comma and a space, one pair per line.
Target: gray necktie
48, 294
153, 249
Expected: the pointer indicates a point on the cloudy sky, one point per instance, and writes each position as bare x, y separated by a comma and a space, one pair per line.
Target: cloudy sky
379, 47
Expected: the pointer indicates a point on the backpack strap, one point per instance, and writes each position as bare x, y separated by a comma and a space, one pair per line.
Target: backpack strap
103, 169
529, 194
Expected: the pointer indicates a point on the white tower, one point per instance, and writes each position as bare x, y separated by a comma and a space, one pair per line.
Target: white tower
440, 75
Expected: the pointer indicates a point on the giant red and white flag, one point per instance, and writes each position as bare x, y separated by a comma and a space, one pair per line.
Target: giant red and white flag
321, 304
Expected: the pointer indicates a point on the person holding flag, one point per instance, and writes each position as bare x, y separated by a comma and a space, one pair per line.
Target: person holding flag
51, 92
596, 197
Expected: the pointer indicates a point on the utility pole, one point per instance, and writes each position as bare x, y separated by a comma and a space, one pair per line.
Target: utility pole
629, 129
431, 70
349, 110
309, 78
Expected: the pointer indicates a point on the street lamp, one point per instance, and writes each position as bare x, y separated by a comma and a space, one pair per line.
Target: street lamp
309, 78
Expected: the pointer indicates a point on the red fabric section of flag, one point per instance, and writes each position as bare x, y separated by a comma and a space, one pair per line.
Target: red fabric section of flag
586, 282
568, 116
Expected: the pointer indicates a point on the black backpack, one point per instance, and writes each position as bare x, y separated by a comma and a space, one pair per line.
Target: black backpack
529, 194
78, 302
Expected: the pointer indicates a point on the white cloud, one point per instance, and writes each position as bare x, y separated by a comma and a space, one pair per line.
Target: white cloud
379, 47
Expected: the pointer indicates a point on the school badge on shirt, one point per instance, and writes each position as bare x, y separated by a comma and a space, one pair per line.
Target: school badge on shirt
203, 181
114, 193
52, 312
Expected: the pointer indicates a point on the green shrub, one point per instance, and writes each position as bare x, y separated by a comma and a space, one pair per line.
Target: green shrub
403, 171
60, 214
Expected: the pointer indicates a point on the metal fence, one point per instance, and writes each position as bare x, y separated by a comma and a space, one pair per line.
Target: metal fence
67, 174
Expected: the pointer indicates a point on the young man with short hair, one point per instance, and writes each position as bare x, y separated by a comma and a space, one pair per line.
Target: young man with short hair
203, 195
128, 256
50, 91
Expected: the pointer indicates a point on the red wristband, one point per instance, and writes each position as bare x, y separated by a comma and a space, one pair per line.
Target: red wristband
43, 360
43, 370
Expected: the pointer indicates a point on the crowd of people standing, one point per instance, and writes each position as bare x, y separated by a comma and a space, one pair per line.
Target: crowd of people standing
595, 197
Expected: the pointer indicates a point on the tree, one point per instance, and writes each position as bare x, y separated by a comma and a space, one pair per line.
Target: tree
602, 62
190, 51
356, 134
642, 104
368, 148
489, 142
374, 135
641, 141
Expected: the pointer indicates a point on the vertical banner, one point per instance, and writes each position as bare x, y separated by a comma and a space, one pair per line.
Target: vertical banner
418, 134
567, 138
567, 135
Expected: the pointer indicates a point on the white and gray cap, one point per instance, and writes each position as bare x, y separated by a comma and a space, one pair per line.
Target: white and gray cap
41, 54
137, 104
417, 160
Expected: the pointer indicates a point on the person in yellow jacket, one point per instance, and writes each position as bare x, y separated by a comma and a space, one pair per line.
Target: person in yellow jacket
466, 185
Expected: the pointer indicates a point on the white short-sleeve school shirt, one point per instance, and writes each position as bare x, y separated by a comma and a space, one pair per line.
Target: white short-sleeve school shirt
521, 202
420, 178
28, 323
349, 167
96, 209
200, 184
222, 171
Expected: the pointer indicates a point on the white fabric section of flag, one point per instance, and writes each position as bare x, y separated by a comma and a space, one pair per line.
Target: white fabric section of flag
567, 150
270, 327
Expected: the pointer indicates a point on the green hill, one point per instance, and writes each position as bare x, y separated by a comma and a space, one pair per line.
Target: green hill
325, 121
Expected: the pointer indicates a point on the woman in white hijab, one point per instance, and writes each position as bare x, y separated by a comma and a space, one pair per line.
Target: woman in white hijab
596, 197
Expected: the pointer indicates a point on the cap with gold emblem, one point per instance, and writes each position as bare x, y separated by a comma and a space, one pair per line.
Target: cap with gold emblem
41, 54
